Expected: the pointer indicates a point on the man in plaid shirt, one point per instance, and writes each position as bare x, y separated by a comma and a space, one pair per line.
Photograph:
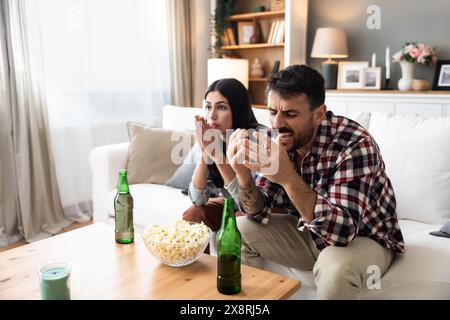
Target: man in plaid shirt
341, 220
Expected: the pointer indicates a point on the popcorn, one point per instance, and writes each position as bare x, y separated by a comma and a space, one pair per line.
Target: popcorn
178, 243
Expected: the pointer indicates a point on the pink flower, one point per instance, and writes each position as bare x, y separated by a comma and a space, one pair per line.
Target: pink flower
426, 52
414, 52
397, 56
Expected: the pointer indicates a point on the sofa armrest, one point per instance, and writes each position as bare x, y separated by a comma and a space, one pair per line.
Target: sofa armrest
105, 162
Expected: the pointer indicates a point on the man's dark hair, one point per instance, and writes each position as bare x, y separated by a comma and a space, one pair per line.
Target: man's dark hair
295, 80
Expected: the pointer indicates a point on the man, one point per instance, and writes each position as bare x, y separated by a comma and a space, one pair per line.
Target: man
341, 220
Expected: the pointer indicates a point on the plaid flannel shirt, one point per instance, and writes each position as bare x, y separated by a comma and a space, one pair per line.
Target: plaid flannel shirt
354, 195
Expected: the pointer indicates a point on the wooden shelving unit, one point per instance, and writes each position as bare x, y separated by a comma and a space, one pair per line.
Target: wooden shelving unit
290, 51
252, 79
258, 15
259, 106
253, 46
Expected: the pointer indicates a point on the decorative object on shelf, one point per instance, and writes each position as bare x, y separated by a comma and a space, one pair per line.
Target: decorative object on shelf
245, 31
277, 5
408, 70
259, 9
374, 60
387, 63
351, 74
255, 36
420, 85
330, 43
442, 75
410, 54
276, 67
224, 9
257, 69
373, 78
228, 68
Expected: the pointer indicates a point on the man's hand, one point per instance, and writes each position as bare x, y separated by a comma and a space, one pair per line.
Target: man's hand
269, 158
236, 157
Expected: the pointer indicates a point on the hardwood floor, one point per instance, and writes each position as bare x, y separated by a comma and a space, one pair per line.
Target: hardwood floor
73, 226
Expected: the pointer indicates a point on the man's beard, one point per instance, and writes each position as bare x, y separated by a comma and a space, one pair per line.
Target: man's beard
300, 142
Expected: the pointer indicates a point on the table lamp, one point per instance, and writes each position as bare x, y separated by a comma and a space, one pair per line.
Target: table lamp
329, 43
228, 68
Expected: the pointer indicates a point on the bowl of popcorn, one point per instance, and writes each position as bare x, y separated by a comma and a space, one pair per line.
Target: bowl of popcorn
177, 244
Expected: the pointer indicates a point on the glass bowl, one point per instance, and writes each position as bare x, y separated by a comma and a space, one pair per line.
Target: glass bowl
177, 247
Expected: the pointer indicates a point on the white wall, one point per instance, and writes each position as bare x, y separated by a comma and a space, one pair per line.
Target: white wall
201, 43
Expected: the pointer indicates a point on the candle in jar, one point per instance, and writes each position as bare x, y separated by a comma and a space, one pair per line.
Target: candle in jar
54, 281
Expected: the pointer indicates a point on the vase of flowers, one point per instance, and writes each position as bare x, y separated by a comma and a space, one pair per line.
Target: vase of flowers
408, 70
408, 57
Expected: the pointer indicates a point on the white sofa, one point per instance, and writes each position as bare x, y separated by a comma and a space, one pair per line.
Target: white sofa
417, 157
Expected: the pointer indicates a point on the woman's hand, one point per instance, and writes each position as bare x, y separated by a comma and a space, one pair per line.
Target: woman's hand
210, 141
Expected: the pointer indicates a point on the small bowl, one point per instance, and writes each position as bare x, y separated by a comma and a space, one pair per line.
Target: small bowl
177, 254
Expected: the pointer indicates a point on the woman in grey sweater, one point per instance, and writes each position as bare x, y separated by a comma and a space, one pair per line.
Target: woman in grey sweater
227, 107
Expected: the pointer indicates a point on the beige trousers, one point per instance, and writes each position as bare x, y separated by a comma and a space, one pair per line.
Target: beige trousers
340, 272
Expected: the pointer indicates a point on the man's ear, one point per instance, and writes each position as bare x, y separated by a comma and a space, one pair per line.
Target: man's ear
319, 114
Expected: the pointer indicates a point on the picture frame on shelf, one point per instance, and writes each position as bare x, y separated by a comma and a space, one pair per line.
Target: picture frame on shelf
442, 75
277, 5
245, 32
351, 74
373, 78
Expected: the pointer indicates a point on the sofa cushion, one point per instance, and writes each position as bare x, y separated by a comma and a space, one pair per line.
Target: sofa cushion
363, 118
420, 273
183, 176
154, 153
416, 152
180, 118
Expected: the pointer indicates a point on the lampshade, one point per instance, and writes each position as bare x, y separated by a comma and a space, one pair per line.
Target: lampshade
228, 68
329, 43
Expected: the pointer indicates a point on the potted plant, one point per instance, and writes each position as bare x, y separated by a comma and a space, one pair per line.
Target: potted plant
224, 9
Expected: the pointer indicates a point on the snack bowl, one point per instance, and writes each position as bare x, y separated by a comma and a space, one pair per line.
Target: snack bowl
177, 244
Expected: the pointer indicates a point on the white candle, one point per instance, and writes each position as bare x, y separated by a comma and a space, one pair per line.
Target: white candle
374, 59
388, 63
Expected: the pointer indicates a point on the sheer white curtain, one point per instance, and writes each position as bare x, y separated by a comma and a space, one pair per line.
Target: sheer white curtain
106, 62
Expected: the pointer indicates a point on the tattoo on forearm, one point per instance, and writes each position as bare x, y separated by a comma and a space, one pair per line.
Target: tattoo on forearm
251, 199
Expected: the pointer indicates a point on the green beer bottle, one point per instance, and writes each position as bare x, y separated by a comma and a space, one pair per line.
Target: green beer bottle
228, 252
123, 209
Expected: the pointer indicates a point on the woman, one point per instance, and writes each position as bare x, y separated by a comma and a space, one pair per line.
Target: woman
227, 107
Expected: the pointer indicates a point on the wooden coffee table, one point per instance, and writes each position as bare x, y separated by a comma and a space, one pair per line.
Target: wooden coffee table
106, 270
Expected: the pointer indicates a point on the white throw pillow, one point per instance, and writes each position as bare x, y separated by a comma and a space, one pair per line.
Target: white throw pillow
363, 118
416, 151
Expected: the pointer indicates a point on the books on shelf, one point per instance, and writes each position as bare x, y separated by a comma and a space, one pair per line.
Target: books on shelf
229, 38
230, 35
276, 33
